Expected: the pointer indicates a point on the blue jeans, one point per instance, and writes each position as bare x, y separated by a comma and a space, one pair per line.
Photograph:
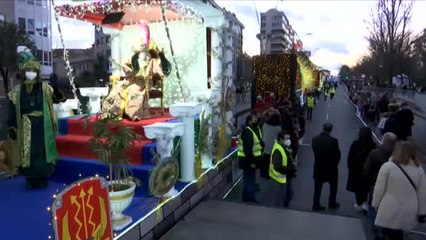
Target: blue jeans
371, 215
249, 189
285, 194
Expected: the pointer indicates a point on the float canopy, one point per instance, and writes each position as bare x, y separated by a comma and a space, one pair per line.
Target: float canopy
119, 13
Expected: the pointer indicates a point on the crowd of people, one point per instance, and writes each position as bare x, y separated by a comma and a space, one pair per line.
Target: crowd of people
269, 142
387, 180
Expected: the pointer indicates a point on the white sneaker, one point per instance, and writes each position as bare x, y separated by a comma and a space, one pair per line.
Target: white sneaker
357, 207
365, 206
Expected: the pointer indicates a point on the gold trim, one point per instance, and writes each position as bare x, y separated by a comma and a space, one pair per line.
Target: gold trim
117, 198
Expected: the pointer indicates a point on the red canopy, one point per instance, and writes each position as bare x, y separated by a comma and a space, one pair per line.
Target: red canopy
134, 11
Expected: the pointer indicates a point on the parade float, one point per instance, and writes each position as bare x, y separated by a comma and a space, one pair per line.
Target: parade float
171, 88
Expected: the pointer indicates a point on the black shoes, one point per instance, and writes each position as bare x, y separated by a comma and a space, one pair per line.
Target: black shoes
334, 206
318, 208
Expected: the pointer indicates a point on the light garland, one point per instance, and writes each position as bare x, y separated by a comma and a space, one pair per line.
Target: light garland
105, 7
272, 73
68, 66
163, 14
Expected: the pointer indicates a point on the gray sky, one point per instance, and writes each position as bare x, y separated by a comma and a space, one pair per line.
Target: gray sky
334, 31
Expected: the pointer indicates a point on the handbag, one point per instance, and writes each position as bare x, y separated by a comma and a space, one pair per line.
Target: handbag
420, 218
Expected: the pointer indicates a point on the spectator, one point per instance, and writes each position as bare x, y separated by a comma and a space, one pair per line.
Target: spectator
400, 192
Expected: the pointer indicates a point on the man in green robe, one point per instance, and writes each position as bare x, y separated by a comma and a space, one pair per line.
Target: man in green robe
32, 122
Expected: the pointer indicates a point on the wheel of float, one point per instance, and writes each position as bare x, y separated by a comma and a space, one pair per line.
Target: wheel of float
163, 177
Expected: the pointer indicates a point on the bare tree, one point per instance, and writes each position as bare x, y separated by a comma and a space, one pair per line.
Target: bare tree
390, 35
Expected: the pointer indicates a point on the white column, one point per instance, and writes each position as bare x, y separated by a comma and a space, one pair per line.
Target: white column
186, 112
94, 94
164, 133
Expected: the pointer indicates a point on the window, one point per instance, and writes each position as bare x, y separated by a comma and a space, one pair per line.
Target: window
38, 2
45, 32
209, 56
108, 53
31, 27
40, 55
263, 25
45, 58
22, 24
30, 2
50, 58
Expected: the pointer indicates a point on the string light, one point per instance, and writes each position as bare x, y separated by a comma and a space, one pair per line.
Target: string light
68, 66
163, 14
102, 7
272, 74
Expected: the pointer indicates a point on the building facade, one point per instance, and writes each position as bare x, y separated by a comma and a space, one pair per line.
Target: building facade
236, 43
102, 49
82, 62
35, 17
276, 34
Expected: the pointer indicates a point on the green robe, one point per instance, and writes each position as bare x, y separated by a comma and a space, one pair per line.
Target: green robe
32, 117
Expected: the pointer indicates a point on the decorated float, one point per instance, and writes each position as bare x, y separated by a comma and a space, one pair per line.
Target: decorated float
165, 124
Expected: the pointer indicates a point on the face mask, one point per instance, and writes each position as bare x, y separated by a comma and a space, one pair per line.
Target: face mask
30, 75
287, 142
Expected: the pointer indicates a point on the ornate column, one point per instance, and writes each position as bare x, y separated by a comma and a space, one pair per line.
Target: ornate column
94, 94
186, 112
164, 133
207, 112
63, 110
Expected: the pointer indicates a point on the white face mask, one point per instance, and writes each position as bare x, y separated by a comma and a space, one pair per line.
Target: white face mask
287, 142
30, 75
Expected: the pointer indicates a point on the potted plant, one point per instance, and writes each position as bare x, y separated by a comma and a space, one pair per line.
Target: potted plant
109, 142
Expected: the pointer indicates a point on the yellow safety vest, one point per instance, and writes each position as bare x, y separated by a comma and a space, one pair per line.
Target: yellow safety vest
257, 148
332, 90
280, 178
311, 102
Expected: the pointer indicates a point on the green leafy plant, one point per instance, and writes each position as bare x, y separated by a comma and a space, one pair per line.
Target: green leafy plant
109, 142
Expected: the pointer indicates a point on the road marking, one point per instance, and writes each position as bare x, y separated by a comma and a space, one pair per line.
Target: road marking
326, 116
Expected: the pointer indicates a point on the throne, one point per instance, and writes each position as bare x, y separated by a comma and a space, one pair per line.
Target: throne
155, 90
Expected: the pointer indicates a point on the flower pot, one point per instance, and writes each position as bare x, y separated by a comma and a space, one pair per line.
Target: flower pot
119, 201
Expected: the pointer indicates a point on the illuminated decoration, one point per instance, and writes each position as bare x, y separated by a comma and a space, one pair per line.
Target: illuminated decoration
272, 73
149, 10
68, 66
119, 14
307, 72
82, 211
298, 78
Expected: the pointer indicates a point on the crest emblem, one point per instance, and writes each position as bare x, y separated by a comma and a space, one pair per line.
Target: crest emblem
82, 211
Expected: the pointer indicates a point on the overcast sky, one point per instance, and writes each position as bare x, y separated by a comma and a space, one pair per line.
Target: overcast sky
334, 31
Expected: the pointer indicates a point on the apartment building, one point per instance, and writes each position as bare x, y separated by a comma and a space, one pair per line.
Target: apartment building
276, 34
35, 17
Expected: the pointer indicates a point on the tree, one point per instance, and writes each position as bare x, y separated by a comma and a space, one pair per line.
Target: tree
345, 72
10, 38
389, 38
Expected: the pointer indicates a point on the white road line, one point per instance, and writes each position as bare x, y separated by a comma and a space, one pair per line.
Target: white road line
232, 188
326, 116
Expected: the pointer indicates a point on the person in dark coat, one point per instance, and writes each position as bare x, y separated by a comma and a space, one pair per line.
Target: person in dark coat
358, 153
404, 119
327, 157
372, 165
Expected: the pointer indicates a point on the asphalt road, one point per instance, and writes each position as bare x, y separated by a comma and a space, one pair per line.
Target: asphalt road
341, 113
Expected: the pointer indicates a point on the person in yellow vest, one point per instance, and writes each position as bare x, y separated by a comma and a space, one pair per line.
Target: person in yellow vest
282, 169
332, 92
326, 93
250, 147
310, 104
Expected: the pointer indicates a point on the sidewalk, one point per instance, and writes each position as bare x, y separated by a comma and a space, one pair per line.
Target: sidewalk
214, 220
